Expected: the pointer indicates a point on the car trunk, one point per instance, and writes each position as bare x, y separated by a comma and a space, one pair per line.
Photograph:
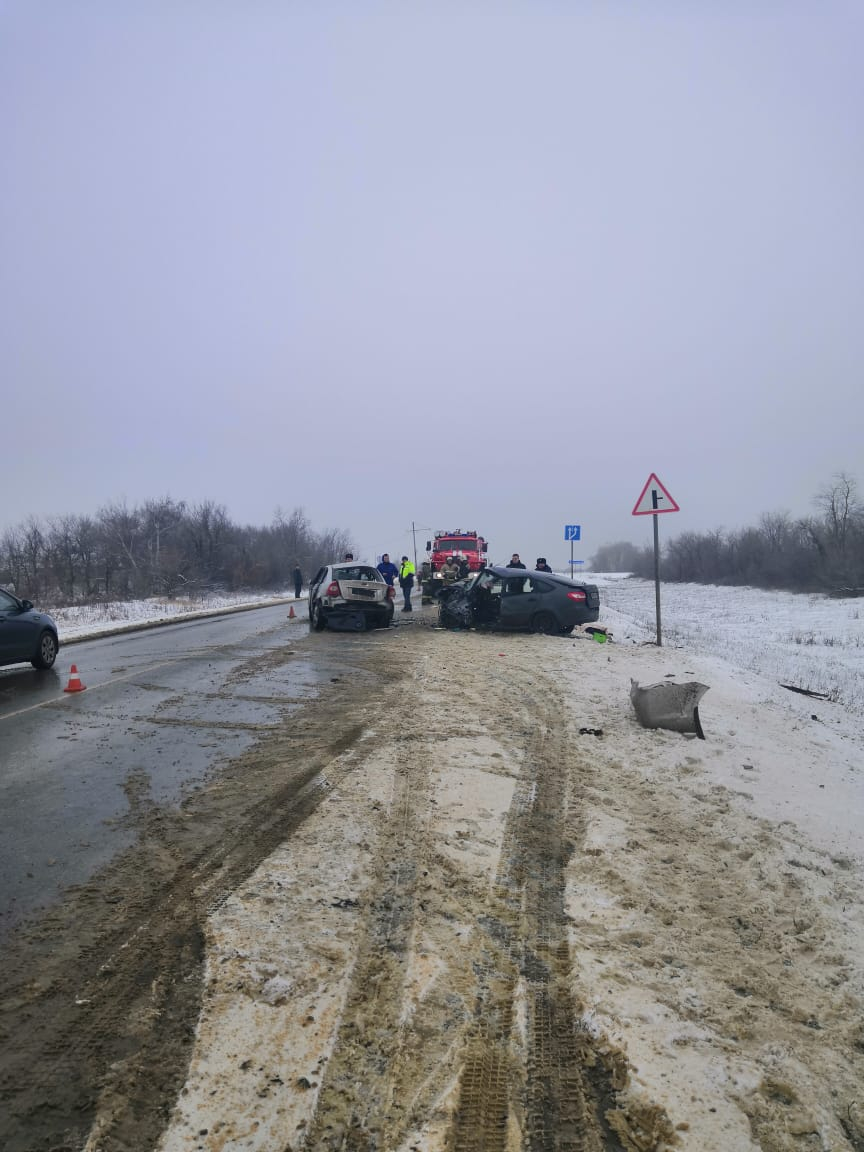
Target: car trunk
363, 592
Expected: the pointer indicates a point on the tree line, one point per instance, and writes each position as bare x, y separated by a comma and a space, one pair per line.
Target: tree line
823, 552
162, 547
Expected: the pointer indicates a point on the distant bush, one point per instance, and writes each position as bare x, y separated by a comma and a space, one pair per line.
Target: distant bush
822, 553
160, 548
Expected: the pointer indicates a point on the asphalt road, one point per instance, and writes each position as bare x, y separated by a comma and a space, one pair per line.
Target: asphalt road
162, 709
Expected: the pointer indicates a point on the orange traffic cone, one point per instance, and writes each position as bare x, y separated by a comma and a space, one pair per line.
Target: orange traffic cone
291, 613
74, 684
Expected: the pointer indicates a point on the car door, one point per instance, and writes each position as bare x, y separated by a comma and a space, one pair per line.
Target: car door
18, 632
315, 585
518, 601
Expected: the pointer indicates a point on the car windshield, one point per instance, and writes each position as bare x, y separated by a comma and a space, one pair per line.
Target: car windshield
357, 572
456, 545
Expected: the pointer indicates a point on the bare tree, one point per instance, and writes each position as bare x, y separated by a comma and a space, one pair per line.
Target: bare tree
160, 519
840, 508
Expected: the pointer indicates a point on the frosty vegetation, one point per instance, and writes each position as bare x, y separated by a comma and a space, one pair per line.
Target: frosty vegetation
164, 547
815, 642
824, 552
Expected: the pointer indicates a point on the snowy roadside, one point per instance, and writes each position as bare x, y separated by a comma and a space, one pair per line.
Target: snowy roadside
88, 621
710, 913
813, 642
712, 892
715, 901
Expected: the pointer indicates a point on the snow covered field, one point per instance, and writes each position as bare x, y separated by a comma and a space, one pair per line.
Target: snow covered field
811, 641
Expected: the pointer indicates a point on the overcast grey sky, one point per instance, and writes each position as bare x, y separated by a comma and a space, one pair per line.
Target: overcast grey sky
467, 264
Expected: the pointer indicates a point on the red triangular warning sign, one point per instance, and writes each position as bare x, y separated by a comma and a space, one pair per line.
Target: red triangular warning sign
655, 498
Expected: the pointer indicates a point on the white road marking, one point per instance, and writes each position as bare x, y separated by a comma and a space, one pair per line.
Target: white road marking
93, 687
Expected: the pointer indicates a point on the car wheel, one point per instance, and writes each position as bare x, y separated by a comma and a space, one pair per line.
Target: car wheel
46, 651
317, 623
545, 623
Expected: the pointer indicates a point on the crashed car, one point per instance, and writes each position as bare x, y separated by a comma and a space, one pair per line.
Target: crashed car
517, 599
350, 597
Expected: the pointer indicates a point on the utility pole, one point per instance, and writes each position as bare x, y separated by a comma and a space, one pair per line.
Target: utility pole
414, 530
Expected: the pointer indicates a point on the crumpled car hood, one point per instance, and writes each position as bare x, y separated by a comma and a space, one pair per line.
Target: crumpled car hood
456, 607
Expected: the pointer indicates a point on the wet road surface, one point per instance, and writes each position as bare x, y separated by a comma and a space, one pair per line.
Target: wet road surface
162, 709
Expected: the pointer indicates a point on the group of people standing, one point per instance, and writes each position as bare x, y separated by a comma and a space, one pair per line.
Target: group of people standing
454, 569
540, 564
405, 574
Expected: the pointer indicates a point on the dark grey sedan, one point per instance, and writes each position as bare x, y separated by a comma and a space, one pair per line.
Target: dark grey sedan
518, 599
25, 634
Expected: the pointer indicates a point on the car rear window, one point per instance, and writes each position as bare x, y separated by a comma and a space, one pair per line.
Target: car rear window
357, 572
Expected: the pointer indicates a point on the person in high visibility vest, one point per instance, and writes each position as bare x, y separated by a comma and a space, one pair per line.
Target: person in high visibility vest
406, 582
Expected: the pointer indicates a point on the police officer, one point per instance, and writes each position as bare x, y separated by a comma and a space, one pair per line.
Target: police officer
406, 582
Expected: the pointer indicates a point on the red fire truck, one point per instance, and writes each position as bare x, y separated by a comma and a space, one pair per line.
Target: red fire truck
464, 547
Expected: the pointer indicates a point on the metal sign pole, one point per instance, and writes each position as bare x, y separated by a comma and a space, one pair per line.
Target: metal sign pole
650, 505
571, 557
657, 578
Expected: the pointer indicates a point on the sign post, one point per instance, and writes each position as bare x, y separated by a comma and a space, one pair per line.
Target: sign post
572, 532
654, 500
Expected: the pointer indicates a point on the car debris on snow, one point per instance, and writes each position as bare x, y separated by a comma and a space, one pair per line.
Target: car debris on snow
669, 705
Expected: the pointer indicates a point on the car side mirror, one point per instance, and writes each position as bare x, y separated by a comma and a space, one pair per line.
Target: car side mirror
485, 548
428, 545
26, 605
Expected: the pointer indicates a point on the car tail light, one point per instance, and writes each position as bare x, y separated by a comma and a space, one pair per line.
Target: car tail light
391, 592
578, 594
333, 589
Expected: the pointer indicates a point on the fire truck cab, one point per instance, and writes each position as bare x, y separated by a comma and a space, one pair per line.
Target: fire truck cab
467, 548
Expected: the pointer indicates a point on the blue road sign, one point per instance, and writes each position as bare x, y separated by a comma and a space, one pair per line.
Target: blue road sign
572, 531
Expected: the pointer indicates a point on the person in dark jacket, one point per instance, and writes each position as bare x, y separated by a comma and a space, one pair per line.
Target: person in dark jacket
388, 569
541, 565
515, 562
298, 581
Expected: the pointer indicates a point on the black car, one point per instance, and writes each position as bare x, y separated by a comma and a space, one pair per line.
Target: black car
26, 634
514, 598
